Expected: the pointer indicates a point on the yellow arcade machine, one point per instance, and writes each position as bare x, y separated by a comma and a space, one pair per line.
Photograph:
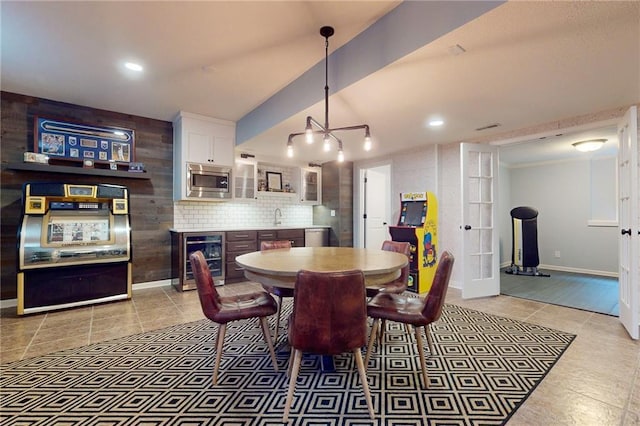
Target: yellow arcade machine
418, 225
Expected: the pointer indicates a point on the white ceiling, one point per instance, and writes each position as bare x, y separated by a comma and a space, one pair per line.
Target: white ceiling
526, 63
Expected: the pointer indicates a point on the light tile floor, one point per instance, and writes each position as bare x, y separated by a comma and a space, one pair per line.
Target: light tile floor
596, 382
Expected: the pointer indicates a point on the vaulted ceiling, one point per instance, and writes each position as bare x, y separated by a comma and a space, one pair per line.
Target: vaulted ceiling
393, 65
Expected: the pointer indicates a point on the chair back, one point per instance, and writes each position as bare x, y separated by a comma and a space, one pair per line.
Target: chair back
329, 312
434, 300
399, 247
209, 297
270, 245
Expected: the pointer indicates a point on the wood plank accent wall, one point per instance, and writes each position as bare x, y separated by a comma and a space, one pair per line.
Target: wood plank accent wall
337, 194
151, 202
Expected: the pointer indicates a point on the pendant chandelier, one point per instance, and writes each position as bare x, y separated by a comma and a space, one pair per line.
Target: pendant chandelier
313, 127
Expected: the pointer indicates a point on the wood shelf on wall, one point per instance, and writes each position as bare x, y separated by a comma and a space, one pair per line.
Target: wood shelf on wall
47, 168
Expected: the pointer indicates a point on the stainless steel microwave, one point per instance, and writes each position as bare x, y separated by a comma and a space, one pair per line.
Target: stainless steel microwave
205, 182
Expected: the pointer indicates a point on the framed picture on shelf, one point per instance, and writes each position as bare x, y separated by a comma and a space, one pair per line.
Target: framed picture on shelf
274, 181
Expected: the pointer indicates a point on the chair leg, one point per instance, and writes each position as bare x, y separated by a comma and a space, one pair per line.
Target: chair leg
372, 338
363, 378
423, 364
381, 332
222, 329
275, 339
297, 357
427, 331
290, 363
267, 338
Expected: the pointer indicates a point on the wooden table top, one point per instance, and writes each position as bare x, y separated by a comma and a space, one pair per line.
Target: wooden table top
279, 267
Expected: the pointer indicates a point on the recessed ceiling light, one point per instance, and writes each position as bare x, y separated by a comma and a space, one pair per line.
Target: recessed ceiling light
436, 123
133, 66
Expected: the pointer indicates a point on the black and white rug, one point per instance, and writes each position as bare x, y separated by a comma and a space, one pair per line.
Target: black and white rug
484, 367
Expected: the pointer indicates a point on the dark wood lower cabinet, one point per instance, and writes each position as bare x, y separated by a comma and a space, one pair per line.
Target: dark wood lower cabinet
296, 236
238, 242
235, 244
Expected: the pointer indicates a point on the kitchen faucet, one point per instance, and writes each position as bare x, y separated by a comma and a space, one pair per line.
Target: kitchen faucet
275, 216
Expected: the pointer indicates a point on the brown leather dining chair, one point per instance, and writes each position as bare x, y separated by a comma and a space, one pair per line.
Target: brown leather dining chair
400, 284
224, 309
415, 311
329, 317
280, 292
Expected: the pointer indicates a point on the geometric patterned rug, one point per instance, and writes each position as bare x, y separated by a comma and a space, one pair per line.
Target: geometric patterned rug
484, 367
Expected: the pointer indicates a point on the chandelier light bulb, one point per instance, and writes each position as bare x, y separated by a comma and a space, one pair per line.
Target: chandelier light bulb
340, 156
367, 143
327, 144
308, 135
290, 149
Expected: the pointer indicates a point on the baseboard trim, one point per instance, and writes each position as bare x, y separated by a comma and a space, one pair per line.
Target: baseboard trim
572, 270
151, 284
12, 303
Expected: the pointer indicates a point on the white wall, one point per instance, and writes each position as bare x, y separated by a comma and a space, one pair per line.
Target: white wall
450, 208
504, 218
561, 192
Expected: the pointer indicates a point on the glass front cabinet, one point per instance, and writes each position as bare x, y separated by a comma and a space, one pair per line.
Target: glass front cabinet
310, 185
245, 180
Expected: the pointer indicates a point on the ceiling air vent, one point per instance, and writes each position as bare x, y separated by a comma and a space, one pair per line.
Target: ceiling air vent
490, 126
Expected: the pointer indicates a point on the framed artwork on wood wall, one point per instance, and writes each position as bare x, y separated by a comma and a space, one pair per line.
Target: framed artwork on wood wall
65, 140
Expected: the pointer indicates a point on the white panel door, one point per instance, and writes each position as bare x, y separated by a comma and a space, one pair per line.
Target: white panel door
480, 241
629, 222
376, 207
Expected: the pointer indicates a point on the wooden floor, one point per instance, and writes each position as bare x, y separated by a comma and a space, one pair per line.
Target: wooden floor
587, 292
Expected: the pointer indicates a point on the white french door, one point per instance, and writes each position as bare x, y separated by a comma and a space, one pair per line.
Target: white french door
480, 245
376, 206
629, 222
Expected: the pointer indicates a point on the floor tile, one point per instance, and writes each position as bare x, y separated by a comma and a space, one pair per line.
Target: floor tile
596, 382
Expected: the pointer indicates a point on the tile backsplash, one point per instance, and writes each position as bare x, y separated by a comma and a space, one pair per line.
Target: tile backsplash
241, 214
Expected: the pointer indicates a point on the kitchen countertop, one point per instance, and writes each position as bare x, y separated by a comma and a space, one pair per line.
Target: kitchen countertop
247, 228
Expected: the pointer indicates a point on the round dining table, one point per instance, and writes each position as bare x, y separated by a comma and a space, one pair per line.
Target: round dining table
279, 267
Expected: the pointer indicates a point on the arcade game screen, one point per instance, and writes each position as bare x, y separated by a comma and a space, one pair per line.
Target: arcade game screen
414, 213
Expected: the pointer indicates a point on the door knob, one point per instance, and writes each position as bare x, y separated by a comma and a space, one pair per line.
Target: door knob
467, 227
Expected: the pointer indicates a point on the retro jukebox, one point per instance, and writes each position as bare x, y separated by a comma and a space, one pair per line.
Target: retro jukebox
74, 246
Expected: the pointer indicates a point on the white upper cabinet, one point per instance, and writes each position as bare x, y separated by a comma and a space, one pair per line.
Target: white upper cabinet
200, 140
245, 180
310, 185
204, 140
